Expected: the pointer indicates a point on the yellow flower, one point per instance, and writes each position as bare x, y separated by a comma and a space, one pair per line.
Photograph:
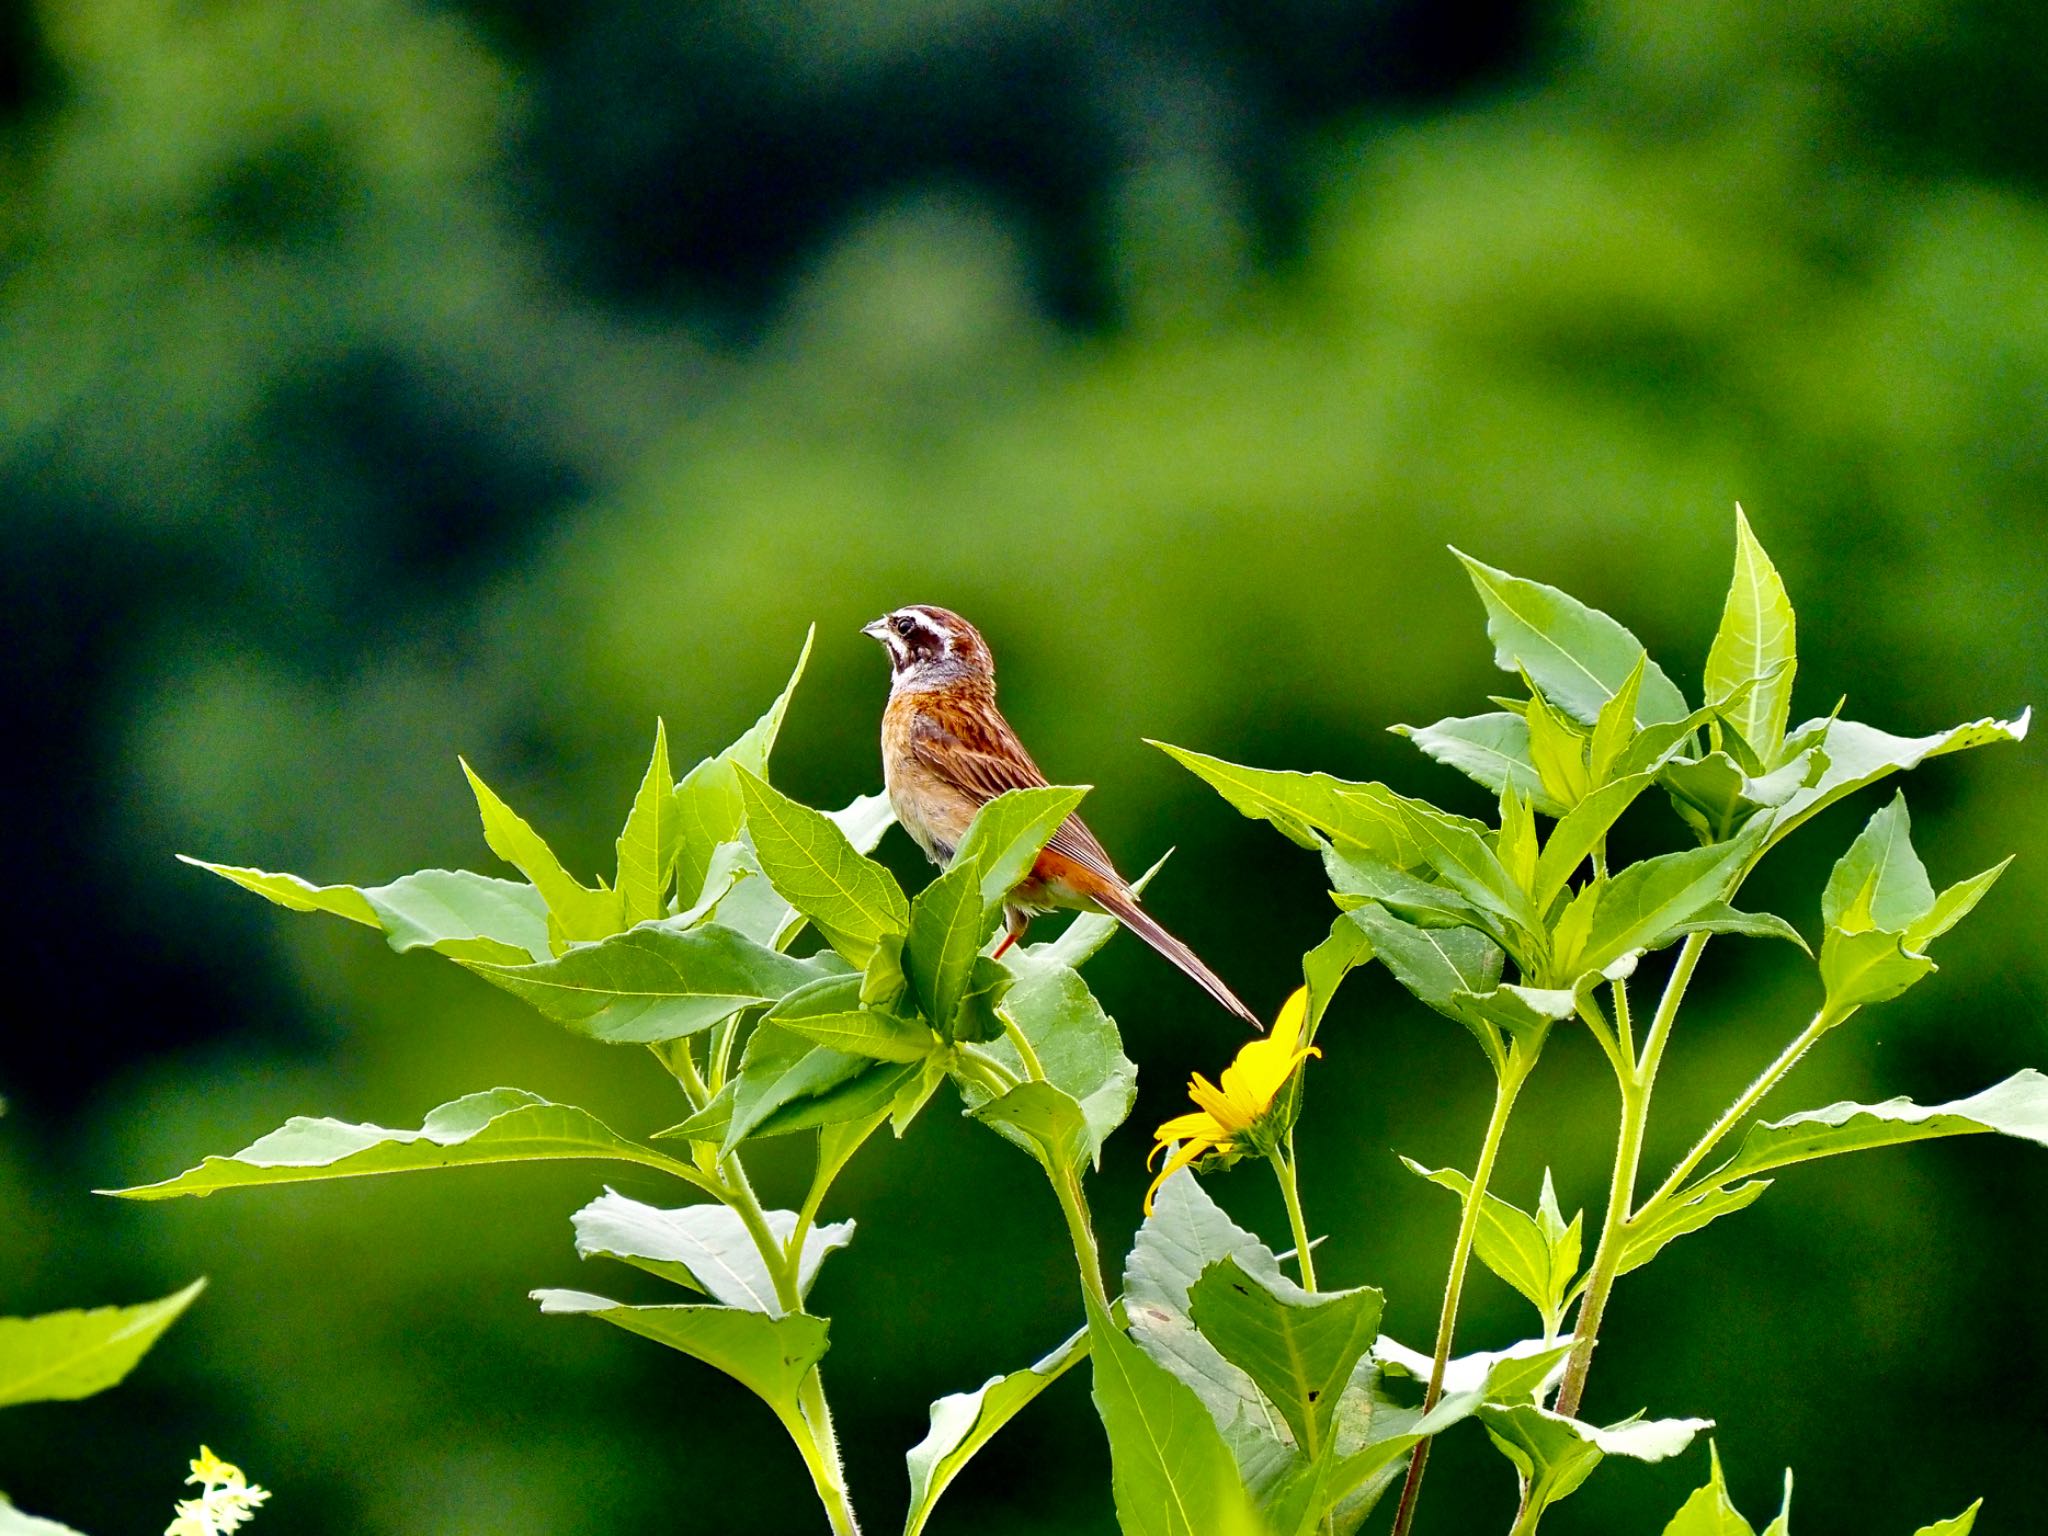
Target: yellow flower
1226, 1115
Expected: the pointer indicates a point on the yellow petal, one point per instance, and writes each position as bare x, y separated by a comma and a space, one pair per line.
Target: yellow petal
1174, 1164
1293, 1014
1195, 1125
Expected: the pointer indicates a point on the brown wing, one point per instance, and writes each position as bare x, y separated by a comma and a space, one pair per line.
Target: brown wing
982, 756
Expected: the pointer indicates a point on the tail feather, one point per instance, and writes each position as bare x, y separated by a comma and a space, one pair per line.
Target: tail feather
1127, 911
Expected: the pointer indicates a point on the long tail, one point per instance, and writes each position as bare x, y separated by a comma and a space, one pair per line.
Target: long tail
1127, 911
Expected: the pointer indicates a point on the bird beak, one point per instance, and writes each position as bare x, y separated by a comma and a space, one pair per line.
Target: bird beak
875, 629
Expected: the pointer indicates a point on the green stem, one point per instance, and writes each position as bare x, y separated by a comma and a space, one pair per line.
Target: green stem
822, 1455
1066, 1187
1290, 1192
836, 1147
1752, 1096
1506, 1087
1028, 1053
781, 1269
1637, 1084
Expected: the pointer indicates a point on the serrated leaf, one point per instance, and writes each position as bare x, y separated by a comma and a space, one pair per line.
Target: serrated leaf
768, 1355
949, 923
1437, 965
1751, 663
501, 1125
659, 981
2016, 1107
1859, 754
1303, 805
647, 844
579, 913
1357, 877
1961, 1525
706, 1247
1492, 749
851, 899
1615, 727
1578, 655
865, 819
779, 1068
1008, 833
962, 1423
1719, 917
1511, 1243
1298, 1347
60, 1357
1642, 906
451, 911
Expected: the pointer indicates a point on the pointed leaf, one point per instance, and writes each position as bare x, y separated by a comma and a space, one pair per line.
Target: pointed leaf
1510, 1243
966, 1421
60, 1357
1642, 906
1077, 1046
579, 913
1652, 1228
1952, 906
1719, 917
1858, 754
950, 921
657, 982
647, 845
1961, 1525
829, 1012
1880, 882
779, 1068
706, 1247
1298, 1346
1615, 727
768, 1355
1573, 839
1755, 649
1555, 1454
1008, 833
1301, 805
1492, 749
852, 900
1578, 655
502, 1125
1710, 1512
1871, 966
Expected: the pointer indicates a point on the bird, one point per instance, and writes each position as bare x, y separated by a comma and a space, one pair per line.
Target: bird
947, 751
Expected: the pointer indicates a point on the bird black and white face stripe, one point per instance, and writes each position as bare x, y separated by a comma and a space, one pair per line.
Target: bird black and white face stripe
930, 645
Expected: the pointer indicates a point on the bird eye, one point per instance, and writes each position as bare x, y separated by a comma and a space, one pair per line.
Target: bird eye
904, 627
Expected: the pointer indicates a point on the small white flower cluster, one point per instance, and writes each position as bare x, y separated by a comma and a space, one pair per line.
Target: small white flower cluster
226, 1499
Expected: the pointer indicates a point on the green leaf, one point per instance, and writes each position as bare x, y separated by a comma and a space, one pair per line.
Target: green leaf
1577, 655
1952, 906
1185, 1233
963, 1422
1077, 1046
501, 1125
865, 819
1559, 750
60, 1357
1492, 749
1754, 655
1959, 1526
1555, 1454
852, 900
1880, 882
1539, 1263
1301, 805
1867, 967
647, 845
1324, 967
1171, 1472
708, 806
781, 1068
2016, 1107
1046, 1121
451, 911
579, 913
706, 1247
828, 1012
656, 982
1299, 1347
950, 921
1655, 1226
1719, 917
1615, 727
1573, 839
1435, 964
1642, 906
1082, 938
768, 1355
1710, 1512
1357, 877
1858, 754
1461, 858
1009, 832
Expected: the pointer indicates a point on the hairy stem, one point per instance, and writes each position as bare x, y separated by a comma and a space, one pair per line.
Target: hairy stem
822, 1456
1637, 1084
1290, 1192
1506, 1087
1066, 1187
1751, 1097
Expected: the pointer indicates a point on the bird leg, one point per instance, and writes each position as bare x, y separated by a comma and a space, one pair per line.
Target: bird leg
1017, 920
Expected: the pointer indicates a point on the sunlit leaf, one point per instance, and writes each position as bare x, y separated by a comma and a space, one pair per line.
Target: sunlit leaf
648, 843
829, 1012
1655, 1226
1077, 1047
1577, 655
16, 1522
950, 921
1007, 834
706, 1247
1710, 1512
1512, 1244
1492, 749
579, 913
1577, 834
1751, 663
779, 1068
964, 1422
1555, 1454
851, 899
1303, 805
659, 981
1859, 754
1642, 906
63, 1356
1960, 1525
501, 1125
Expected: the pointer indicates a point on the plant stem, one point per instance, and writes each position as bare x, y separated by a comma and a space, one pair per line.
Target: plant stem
1637, 1084
823, 1460
1505, 1088
781, 1267
1290, 1192
1752, 1096
1066, 1187
1026, 1051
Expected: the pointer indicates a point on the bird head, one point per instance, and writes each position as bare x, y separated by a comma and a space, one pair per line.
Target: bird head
930, 647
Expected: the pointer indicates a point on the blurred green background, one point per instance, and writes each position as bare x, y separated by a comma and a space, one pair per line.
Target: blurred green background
382, 379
